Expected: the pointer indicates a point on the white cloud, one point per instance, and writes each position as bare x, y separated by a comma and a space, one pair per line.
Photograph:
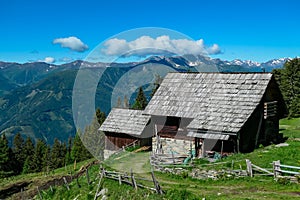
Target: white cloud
73, 43
146, 45
214, 49
47, 60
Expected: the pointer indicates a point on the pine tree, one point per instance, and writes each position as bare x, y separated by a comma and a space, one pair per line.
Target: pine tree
27, 166
100, 116
58, 154
5, 152
288, 79
18, 150
28, 147
79, 152
94, 139
77, 147
39, 152
126, 102
47, 159
156, 84
28, 152
119, 103
69, 149
140, 101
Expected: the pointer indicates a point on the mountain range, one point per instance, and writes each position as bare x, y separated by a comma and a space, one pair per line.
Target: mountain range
36, 98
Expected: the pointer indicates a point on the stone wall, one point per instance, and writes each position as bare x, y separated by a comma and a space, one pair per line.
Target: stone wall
108, 153
178, 146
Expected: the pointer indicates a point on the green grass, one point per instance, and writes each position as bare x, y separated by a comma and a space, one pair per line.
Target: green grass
183, 187
290, 127
124, 162
264, 157
40, 178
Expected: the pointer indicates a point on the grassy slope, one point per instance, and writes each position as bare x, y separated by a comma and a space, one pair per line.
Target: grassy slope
179, 187
290, 127
38, 179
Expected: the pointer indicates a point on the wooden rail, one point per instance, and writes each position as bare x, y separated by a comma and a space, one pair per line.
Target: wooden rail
131, 179
278, 171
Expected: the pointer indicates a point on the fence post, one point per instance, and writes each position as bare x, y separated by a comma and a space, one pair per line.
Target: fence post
157, 186
65, 180
173, 157
276, 168
249, 168
87, 176
99, 184
120, 180
39, 192
22, 194
133, 181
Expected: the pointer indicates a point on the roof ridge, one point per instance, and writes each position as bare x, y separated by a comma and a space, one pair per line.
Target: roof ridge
115, 108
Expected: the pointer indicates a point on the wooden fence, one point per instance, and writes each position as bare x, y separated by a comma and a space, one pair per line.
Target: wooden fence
130, 179
277, 168
276, 171
159, 161
175, 164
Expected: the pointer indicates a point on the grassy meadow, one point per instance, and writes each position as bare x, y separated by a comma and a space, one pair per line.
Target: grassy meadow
181, 186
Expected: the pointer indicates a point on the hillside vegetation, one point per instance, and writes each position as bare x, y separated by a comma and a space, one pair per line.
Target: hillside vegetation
179, 186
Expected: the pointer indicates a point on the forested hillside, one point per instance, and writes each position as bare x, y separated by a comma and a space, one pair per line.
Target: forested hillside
288, 79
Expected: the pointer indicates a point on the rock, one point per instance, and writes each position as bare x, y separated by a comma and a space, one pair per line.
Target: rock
282, 145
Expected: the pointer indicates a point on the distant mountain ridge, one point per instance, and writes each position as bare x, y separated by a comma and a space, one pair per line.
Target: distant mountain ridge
36, 98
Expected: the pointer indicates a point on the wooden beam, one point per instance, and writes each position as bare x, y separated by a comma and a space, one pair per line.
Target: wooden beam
276, 168
238, 143
262, 169
222, 148
157, 186
203, 149
66, 183
133, 180
249, 168
258, 131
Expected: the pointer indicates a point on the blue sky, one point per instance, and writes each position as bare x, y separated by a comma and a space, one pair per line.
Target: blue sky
245, 29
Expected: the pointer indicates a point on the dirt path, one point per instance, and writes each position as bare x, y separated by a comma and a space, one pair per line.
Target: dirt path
138, 162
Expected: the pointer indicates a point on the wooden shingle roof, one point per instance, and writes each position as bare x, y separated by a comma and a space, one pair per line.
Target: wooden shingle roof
215, 101
126, 121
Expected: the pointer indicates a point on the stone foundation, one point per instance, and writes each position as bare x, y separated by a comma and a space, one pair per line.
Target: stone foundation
178, 146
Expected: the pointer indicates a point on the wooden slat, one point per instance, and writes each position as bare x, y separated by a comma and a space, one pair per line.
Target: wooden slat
288, 172
291, 167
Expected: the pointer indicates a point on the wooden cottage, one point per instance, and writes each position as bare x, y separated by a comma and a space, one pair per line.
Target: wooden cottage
222, 112
125, 126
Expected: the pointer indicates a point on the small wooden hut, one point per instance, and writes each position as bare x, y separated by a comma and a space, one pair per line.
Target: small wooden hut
126, 126
223, 112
